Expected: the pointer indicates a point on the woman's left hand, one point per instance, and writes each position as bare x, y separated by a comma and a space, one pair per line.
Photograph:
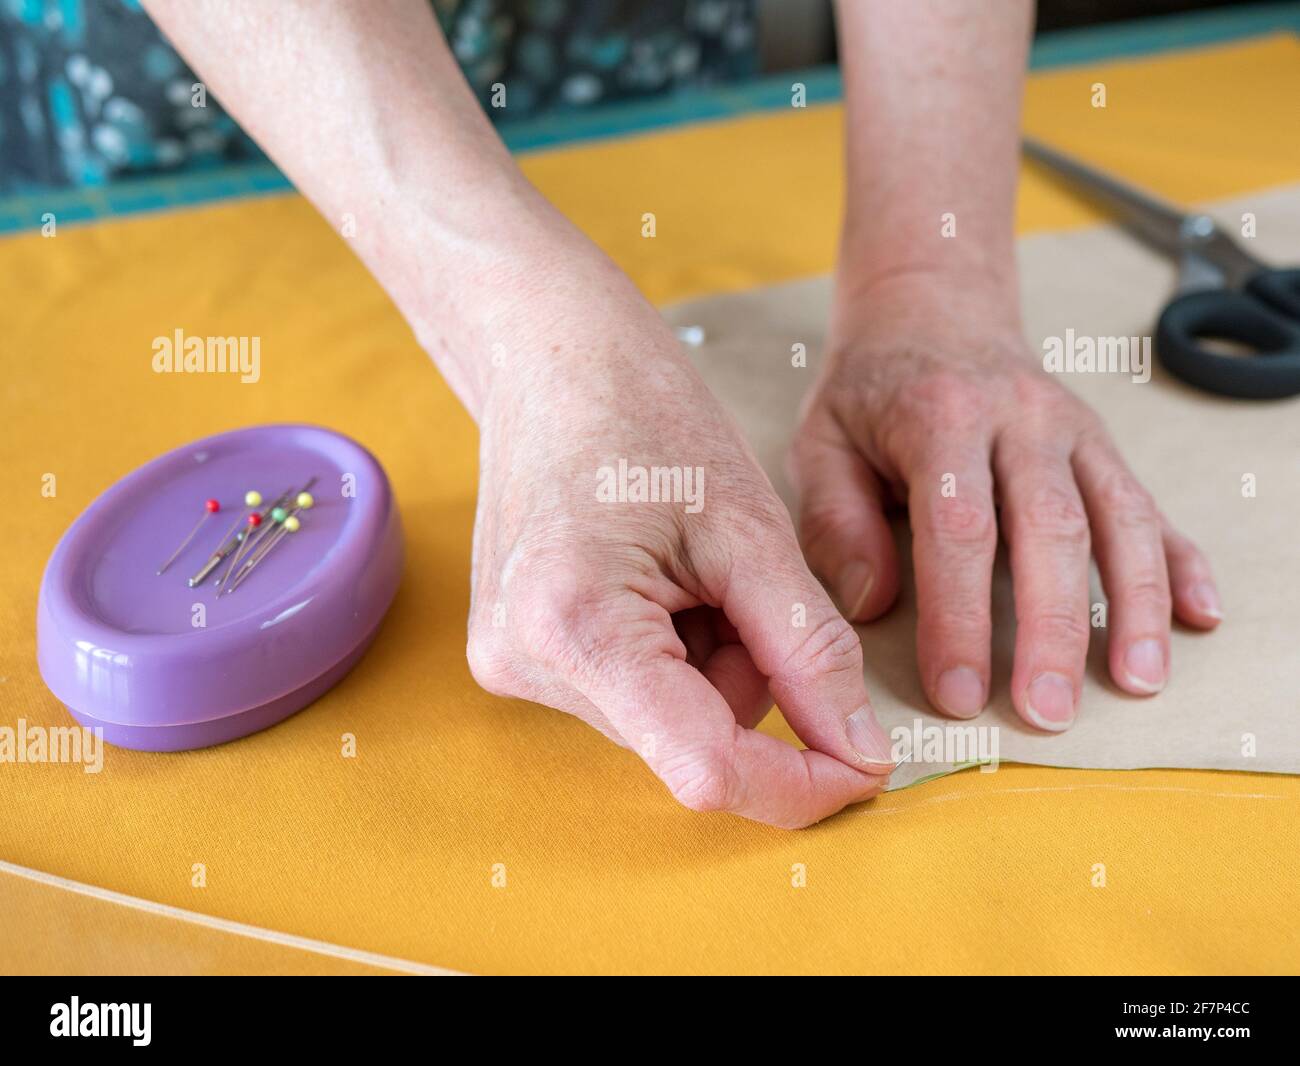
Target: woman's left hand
928, 400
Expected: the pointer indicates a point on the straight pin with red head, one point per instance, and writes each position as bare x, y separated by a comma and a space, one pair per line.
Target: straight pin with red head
252, 500
233, 540
290, 524
209, 507
285, 522
254, 520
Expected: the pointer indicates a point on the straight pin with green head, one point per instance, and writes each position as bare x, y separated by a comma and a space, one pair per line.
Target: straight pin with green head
251, 540
232, 541
302, 502
290, 525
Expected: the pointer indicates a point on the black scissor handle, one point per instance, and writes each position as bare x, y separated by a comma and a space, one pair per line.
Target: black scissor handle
1279, 288
1271, 372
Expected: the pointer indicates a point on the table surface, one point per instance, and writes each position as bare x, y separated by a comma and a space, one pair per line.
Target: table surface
357, 863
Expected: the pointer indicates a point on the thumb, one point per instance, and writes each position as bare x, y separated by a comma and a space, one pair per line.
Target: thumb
842, 522
811, 656
706, 760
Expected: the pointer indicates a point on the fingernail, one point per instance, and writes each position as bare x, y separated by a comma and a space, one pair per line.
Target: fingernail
1206, 598
960, 692
1144, 665
1049, 702
853, 586
868, 739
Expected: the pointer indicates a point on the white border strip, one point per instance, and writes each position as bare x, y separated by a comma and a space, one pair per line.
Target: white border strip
223, 925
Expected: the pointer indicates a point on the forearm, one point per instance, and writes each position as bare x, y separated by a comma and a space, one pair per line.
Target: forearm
364, 108
933, 91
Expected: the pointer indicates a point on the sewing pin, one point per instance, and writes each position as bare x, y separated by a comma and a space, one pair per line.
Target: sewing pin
229, 547
249, 548
303, 502
209, 507
254, 520
252, 499
290, 525
234, 541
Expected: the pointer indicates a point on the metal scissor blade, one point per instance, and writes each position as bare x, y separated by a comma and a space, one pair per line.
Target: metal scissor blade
1154, 221
1208, 257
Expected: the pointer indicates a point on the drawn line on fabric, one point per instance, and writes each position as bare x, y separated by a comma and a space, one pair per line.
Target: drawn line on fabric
948, 797
224, 925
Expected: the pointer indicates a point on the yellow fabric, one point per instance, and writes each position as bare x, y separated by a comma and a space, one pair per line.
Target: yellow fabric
393, 851
48, 929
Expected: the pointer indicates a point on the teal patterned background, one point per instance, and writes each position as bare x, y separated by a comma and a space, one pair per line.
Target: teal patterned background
91, 92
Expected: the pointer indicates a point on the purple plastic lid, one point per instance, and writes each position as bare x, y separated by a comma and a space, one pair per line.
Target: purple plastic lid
123, 647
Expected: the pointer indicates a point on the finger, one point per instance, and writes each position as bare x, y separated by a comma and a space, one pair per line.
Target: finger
562, 697
713, 647
556, 625
1195, 594
732, 672
1044, 521
810, 655
842, 523
493, 674
954, 542
1129, 546
708, 762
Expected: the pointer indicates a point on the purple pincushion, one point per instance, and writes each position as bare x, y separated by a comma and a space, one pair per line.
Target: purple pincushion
161, 666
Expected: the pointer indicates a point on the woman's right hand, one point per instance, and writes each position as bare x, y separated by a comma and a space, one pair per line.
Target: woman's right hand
671, 625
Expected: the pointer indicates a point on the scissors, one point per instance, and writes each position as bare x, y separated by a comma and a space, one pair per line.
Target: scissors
1224, 293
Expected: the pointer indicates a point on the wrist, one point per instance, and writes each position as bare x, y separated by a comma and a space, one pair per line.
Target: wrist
953, 315
522, 299
909, 297
571, 326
